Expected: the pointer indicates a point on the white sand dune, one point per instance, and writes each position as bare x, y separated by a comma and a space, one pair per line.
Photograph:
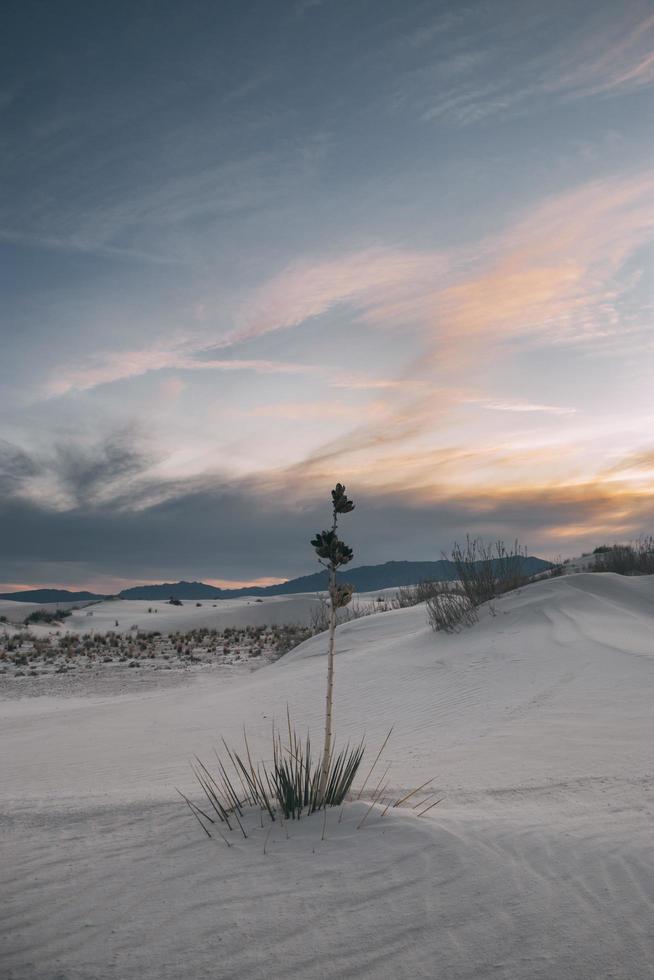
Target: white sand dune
17, 612
537, 724
123, 615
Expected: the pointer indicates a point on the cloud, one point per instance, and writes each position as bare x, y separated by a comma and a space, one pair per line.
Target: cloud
108, 368
556, 276
71, 475
522, 62
368, 280
240, 530
306, 411
552, 274
171, 388
616, 58
16, 468
517, 406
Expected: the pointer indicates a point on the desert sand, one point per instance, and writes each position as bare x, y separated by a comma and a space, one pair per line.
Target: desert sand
536, 725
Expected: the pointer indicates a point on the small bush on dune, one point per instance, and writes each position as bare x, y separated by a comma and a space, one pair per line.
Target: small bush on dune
45, 616
635, 558
448, 611
483, 572
412, 595
486, 571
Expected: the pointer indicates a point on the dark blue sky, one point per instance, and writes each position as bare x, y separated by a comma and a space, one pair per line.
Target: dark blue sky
248, 249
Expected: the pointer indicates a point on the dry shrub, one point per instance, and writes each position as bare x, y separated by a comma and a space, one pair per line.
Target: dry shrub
486, 571
449, 611
635, 558
413, 595
483, 572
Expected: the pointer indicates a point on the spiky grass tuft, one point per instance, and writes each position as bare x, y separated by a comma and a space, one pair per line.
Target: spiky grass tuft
288, 788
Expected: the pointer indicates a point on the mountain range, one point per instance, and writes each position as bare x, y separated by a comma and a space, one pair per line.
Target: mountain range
366, 578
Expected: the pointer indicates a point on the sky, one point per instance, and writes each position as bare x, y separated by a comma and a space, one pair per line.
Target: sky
250, 249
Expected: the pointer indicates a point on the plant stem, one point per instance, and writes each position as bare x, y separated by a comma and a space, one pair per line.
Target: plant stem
327, 747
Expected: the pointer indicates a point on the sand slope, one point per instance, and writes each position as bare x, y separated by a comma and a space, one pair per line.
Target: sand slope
537, 724
123, 615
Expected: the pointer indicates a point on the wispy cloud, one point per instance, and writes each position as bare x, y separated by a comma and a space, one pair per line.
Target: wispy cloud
607, 52
519, 407
615, 58
109, 368
371, 280
556, 276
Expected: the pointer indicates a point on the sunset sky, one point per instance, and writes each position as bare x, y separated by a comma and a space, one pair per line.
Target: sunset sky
249, 249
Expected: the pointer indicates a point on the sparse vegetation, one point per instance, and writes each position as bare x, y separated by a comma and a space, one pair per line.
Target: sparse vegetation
288, 788
484, 571
634, 558
45, 616
413, 595
64, 652
293, 785
449, 610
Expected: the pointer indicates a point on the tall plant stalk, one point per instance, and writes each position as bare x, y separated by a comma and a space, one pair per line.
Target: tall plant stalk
332, 553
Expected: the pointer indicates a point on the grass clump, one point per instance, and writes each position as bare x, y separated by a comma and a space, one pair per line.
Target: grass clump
288, 787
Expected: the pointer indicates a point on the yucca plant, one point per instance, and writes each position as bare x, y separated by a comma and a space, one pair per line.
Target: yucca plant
293, 784
332, 553
288, 787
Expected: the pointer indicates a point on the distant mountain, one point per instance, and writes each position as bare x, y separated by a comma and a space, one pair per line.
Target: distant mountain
181, 590
367, 578
51, 595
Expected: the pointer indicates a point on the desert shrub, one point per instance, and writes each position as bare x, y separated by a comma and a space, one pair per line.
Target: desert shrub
413, 595
45, 616
448, 611
488, 570
484, 571
174, 602
635, 558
